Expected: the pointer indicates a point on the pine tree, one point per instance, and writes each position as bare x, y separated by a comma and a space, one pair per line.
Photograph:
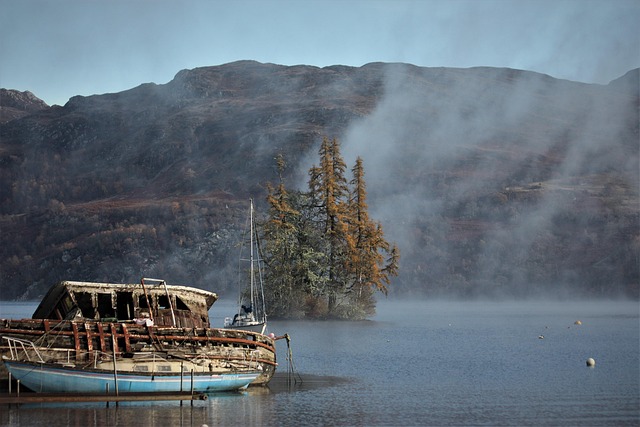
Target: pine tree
279, 247
329, 193
292, 275
367, 246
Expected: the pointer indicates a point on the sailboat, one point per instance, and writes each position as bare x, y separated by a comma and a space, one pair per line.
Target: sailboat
251, 314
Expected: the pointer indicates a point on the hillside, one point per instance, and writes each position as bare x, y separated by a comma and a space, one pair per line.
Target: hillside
14, 104
493, 182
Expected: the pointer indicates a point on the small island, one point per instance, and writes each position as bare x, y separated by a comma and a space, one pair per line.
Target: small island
325, 257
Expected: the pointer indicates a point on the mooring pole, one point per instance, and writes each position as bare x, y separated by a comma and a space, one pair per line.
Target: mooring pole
181, 378
191, 387
115, 368
181, 375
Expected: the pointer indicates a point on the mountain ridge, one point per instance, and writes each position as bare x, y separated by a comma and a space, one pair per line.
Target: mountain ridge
152, 180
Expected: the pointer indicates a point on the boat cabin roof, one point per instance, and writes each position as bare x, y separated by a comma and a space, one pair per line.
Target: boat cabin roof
115, 301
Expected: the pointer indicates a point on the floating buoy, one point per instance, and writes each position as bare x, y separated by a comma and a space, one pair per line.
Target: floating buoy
591, 362
577, 322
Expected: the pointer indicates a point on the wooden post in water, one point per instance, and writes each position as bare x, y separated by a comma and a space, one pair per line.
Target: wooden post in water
191, 386
181, 375
181, 378
115, 368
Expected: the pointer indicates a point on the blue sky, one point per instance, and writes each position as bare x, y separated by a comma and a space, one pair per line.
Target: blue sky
61, 48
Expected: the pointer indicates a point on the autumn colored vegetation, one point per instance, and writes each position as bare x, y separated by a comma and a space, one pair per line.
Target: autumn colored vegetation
325, 257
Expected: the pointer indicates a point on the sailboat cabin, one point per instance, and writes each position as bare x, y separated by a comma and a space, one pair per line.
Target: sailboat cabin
151, 302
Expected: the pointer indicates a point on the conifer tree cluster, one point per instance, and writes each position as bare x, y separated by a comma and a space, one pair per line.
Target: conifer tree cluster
325, 257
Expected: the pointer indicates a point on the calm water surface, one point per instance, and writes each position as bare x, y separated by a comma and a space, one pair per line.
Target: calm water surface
416, 363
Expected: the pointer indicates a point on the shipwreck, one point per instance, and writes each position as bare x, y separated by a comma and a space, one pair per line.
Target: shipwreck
84, 325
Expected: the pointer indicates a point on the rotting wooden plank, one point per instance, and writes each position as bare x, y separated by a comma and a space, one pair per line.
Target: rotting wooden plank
87, 330
152, 334
157, 344
114, 340
127, 343
250, 343
137, 333
242, 359
76, 339
101, 332
13, 331
47, 327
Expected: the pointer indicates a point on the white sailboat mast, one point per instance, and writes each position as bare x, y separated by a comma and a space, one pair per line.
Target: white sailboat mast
251, 254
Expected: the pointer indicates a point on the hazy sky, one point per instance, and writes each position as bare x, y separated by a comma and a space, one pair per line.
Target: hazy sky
61, 48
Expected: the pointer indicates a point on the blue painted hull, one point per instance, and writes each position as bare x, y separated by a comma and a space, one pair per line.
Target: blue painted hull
57, 379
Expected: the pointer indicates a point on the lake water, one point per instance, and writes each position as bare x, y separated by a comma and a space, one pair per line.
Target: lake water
416, 363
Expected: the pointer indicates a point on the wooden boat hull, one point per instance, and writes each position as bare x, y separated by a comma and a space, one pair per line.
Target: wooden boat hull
41, 377
85, 324
81, 342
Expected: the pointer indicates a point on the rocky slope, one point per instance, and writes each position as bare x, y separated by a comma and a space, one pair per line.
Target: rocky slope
492, 181
15, 104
